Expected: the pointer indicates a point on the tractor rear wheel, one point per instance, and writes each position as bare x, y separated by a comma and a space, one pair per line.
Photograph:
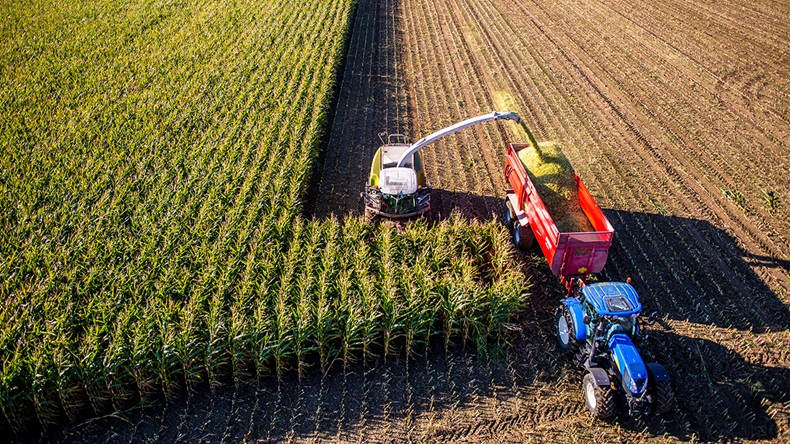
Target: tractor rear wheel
599, 398
664, 396
566, 332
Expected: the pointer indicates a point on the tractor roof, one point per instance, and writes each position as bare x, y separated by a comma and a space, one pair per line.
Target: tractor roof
612, 298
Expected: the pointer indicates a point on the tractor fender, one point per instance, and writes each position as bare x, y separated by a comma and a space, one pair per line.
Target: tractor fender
578, 319
657, 372
600, 376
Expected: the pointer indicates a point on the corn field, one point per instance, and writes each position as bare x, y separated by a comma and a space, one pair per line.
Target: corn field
155, 156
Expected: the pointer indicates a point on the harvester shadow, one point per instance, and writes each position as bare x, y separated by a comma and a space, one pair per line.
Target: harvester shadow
468, 206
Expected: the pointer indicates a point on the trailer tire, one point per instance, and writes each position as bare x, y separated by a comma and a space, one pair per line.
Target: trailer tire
664, 396
598, 398
566, 332
510, 215
522, 236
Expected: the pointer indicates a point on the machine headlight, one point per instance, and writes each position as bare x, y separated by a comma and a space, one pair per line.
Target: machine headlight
637, 386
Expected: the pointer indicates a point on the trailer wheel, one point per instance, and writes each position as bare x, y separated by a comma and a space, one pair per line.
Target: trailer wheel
522, 236
599, 398
566, 332
510, 215
664, 396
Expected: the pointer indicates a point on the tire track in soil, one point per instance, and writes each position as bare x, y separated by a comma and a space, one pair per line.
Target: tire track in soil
712, 254
702, 246
370, 101
494, 20
707, 170
675, 176
699, 286
673, 166
700, 290
448, 161
475, 87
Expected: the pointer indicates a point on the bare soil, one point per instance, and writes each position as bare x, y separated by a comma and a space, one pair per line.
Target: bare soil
675, 114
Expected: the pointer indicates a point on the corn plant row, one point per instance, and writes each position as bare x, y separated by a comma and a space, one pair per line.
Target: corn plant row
155, 156
337, 293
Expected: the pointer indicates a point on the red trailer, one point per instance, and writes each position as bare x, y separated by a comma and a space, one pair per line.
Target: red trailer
572, 255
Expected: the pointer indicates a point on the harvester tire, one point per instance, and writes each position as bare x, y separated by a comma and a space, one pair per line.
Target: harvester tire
598, 398
664, 396
566, 332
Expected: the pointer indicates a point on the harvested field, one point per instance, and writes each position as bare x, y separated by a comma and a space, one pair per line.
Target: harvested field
674, 113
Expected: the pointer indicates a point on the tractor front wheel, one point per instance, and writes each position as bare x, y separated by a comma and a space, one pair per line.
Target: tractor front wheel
566, 333
599, 399
664, 396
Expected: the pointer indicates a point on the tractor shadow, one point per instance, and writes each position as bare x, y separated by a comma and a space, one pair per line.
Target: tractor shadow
682, 268
719, 395
688, 269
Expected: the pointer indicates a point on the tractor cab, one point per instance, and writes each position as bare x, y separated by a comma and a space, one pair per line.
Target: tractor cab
617, 301
612, 298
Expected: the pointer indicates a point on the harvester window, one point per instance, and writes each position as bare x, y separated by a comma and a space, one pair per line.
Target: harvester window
394, 164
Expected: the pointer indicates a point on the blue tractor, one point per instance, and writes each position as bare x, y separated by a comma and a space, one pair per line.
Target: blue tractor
597, 325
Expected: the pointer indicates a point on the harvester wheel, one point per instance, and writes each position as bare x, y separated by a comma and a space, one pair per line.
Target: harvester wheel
370, 216
599, 398
510, 215
665, 397
566, 333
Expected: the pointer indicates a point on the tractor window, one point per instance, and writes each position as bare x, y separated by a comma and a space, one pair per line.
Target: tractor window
617, 304
626, 323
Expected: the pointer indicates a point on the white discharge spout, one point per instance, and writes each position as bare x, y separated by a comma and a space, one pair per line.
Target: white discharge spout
506, 115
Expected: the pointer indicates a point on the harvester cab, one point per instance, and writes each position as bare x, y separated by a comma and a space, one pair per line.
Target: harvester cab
599, 324
397, 187
396, 191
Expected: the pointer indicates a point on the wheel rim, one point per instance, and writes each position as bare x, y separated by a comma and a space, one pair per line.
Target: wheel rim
589, 393
563, 331
508, 216
516, 236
